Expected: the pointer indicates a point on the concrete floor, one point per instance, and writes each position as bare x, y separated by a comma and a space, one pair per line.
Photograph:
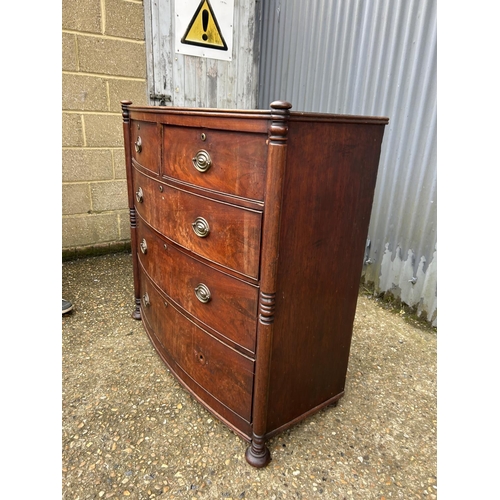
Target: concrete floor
130, 430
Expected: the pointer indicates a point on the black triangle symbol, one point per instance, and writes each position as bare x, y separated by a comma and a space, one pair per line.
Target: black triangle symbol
201, 30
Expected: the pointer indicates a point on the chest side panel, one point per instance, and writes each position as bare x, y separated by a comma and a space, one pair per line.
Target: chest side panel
328, 192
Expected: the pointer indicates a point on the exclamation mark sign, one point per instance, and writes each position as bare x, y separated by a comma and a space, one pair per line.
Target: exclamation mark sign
204, 18
203, 29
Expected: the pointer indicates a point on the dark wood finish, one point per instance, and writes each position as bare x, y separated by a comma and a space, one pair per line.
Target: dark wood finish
238, 170
224, 373
234, 232
265, 341
232, 307
145, 138
136, 314
325, 240
257, 453
238, 424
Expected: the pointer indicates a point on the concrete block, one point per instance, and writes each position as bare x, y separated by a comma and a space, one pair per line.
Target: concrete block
124, 19
124, 225
132, 90
89, 229
69, 59
75, 199
84, 93
110, 195
103, 130
87, 165
119, 164
112, 57
82, 15
72, 131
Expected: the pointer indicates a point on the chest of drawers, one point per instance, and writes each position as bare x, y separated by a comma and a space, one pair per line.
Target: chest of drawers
248, 231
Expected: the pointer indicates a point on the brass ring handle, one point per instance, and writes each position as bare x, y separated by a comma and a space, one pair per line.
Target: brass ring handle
201, 227
139, 195
144, 246
202, 161
202, 293
138, 144
145, 300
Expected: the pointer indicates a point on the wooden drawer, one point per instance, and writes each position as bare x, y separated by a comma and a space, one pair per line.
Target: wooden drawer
237, 160
146, 142
232, 306
234, 233
220, 370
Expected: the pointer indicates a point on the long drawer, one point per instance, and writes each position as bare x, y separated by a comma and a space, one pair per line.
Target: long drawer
230, 162
226, 304
221, 371
226, 234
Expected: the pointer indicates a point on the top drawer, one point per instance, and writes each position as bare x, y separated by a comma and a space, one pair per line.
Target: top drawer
145, 141
229, 162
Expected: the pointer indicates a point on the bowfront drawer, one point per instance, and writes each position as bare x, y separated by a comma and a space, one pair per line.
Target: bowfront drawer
229, 162
222, 302
220, 232
220, 370
146, 142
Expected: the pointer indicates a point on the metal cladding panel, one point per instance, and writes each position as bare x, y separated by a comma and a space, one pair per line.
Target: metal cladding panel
376, 58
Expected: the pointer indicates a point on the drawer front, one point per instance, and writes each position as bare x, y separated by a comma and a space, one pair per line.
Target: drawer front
146, 144
221, 371
220, 232
222, 302
230, 162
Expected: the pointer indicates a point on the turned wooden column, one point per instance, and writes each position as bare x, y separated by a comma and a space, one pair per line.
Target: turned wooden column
258, 454
136, 314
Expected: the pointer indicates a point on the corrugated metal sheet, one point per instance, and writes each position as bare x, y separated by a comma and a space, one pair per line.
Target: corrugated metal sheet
198, 81
371, 57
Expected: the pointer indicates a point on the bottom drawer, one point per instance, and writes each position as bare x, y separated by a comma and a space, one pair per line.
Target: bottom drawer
221, 371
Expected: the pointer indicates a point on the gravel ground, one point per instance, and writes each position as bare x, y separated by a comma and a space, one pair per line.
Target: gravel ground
130, 431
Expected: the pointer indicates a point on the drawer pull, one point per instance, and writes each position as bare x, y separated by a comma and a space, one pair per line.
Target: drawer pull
202, 293
202, 161
145, 300
201, 227
144, 246
138, 144
139, 195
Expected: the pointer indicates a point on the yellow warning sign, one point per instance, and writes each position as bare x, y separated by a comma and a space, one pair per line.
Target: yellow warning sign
203, 30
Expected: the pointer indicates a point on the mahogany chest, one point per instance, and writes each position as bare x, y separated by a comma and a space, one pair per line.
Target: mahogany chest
248, 231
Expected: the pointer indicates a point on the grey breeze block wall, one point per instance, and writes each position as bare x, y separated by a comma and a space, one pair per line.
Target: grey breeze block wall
103, 62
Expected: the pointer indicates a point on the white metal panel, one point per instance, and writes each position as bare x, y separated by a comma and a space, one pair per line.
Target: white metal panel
375, 57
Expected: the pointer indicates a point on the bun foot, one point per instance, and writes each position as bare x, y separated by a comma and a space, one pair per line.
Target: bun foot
137, 311
257, 453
